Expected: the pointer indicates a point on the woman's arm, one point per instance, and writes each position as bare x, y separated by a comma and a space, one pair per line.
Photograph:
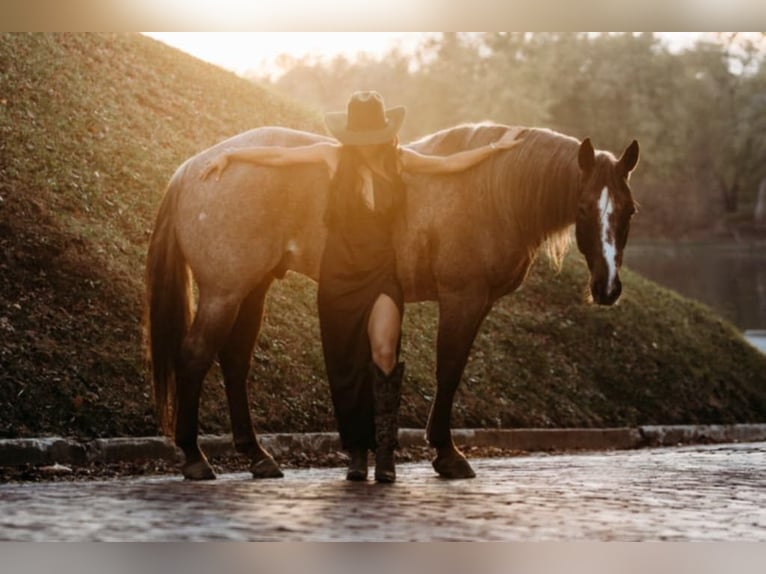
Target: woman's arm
275, 156
417, 162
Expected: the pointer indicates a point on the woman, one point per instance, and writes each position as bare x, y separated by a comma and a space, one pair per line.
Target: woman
360, 299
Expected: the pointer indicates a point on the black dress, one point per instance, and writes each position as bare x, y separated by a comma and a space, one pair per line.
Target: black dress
358, 265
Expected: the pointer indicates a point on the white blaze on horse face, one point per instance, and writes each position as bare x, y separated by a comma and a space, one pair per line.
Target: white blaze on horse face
605, 208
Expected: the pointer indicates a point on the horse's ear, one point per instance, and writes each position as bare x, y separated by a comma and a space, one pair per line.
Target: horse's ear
629, 158
586, 157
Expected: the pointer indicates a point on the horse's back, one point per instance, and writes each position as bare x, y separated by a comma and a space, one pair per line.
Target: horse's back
237, 229
268, 136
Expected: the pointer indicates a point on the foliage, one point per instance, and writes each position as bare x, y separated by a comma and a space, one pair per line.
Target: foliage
92, 128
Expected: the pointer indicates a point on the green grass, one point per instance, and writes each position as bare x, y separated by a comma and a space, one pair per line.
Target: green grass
91, 129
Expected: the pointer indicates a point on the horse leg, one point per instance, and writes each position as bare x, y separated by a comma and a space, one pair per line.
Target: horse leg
459, 320
210, 328
235, 357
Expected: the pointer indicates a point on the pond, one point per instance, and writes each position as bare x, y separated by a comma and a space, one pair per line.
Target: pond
729, 278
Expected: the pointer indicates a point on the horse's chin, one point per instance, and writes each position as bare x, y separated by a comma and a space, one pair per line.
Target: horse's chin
605, 301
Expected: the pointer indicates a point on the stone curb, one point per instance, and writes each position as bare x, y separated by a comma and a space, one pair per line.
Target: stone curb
52, 450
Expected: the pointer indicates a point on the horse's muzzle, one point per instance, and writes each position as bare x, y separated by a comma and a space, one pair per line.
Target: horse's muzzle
603, 296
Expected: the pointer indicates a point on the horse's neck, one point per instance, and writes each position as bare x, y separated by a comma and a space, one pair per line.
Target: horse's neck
552, 209
562, 200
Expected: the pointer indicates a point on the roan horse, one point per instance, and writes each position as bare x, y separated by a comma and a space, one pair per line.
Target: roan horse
464, 240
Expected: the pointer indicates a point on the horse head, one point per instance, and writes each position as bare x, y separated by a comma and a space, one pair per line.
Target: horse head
604, 213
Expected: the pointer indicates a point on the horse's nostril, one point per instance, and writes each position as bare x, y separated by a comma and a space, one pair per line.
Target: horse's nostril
610, 297
617, 291
598, 292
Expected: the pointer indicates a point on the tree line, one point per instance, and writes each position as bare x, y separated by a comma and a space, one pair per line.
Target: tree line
699, 113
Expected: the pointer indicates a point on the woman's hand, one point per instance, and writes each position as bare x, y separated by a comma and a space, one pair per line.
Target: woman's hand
508, 140
217, 165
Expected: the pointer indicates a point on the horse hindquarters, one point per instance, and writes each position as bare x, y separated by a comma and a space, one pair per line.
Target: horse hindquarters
460, 316
180, 351
177, 365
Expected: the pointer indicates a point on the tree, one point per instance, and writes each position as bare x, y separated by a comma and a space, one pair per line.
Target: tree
729, 84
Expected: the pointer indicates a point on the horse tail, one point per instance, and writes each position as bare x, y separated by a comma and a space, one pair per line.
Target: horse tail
167, 307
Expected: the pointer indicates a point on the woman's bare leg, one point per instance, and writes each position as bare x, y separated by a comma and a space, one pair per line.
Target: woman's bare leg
383, 329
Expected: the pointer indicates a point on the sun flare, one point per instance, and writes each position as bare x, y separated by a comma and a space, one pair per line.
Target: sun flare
257, 51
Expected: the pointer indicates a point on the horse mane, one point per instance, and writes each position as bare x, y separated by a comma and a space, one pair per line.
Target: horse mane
533, 187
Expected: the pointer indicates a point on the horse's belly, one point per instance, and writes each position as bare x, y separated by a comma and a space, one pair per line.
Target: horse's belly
230, 238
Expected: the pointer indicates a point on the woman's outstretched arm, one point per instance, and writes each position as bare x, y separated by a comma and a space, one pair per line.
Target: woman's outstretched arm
324, 152
417, 162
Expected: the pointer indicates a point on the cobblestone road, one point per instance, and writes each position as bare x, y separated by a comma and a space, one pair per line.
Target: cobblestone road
692, 493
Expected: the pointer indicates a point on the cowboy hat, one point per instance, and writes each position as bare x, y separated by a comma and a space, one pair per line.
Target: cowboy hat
366, 121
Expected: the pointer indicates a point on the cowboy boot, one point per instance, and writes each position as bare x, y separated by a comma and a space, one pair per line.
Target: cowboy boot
387, 391
357, 466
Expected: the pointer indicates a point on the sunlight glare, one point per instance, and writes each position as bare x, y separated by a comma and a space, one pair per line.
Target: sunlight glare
243, 52
297, 15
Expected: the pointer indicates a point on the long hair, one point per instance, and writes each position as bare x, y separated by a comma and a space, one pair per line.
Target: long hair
345, 187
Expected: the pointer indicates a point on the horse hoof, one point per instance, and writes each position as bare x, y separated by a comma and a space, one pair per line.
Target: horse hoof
453, 467
266, 468
199, 470
385, 476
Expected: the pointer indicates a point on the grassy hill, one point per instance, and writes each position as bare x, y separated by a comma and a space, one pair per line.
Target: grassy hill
92, 127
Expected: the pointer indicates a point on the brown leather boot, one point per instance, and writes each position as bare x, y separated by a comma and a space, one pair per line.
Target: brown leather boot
387, 391
357, 466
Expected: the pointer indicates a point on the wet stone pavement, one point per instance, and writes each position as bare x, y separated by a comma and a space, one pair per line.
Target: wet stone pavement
715, 492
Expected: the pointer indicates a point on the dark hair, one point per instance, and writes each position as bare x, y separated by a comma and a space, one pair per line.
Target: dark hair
344, 187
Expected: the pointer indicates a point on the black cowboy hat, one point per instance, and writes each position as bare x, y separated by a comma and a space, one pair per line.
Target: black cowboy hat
366, 120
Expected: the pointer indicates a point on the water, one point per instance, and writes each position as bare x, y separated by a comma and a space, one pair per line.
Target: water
757, 339
731, 279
